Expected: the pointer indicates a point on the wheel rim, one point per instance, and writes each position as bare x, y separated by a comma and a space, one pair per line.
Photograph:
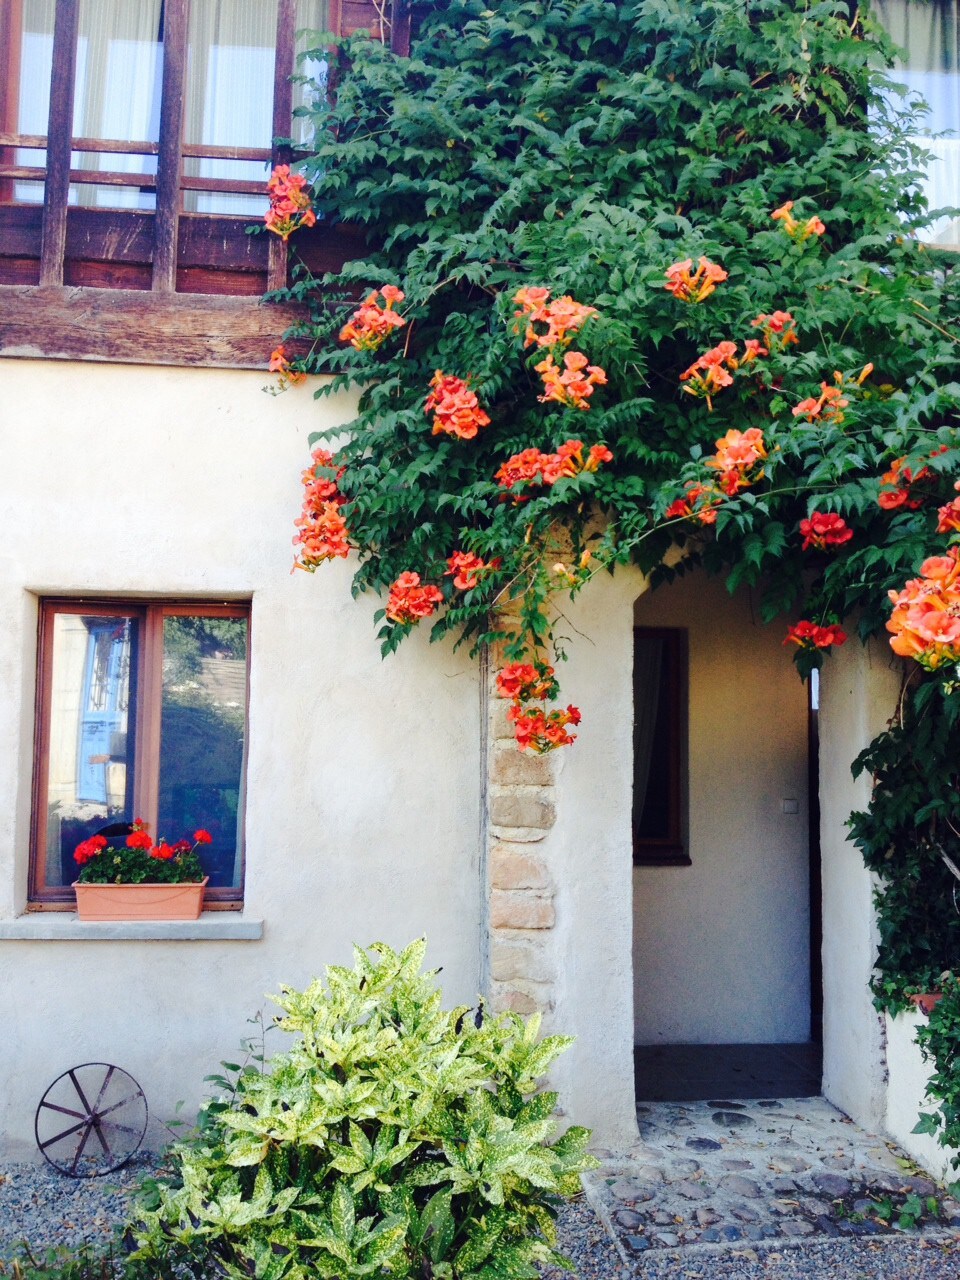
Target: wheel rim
91, 1120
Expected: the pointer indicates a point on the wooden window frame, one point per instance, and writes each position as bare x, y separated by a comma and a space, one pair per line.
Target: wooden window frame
672, 850
161, 287
146, 699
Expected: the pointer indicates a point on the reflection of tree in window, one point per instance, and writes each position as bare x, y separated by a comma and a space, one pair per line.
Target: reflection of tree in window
202, 735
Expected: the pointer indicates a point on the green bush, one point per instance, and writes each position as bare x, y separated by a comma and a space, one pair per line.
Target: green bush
938, 1037
394, 1137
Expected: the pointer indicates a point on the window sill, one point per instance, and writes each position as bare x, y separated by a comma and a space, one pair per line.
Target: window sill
48, 926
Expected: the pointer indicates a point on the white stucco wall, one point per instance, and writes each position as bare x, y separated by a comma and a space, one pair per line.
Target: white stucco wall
363, 784
721, 947
589, 853
907, 1097
858, 694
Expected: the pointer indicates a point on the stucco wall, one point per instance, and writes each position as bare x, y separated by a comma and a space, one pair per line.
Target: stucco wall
858, 694
721, 947
363, 785
907, 1096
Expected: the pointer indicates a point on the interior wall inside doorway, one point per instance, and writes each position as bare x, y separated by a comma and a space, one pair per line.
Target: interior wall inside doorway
721, 948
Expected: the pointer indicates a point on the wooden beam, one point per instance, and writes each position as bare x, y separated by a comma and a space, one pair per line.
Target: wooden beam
282, 123
400, 27
171, 142
139, 327
59, 134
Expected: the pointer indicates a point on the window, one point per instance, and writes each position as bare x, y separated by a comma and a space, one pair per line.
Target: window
166, 110
928, 33
659, 746
142, 712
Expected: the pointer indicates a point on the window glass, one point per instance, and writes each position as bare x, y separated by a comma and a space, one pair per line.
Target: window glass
229, 97
90, 762
143, 714
117, 97
659, 745
928, 33
33, 95
203, 736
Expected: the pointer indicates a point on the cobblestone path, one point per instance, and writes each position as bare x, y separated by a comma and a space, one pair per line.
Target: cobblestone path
720, 1172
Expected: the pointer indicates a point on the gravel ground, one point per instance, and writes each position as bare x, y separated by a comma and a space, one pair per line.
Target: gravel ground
49, 1209
891, 1257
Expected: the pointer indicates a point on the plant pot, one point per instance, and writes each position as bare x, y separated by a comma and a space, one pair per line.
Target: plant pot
925, 1000
140, 901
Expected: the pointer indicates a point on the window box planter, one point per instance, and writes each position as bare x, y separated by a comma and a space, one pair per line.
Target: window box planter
140, 901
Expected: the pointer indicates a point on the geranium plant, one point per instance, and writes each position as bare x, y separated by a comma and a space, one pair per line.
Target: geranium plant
140, 859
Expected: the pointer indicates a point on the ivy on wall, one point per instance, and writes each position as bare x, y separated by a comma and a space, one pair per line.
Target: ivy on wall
639, 277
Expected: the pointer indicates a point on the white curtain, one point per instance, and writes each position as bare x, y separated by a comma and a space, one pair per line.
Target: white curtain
229, 99
928, 33
36, 63
117, 94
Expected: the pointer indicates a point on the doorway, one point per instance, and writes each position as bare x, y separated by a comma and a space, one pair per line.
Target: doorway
726, 937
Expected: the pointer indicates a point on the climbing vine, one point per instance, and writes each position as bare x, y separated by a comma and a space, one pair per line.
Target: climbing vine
645, 282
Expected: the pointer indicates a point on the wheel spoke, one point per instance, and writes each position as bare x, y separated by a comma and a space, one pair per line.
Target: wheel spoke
52, 1106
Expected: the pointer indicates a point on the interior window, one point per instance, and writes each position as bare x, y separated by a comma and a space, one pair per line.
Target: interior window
659, 745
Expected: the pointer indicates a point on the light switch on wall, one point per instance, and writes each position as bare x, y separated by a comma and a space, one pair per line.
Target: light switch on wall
790, 805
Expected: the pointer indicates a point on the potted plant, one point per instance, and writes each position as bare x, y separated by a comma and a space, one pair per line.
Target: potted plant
140, 879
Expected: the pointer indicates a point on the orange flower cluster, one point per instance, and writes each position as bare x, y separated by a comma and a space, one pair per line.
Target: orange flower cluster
824, 529
410, 600
896, 491
535, 728
532, 465
466, 569
563, 317
807, 635
794, 229
571, 387
455, 408
699, 503
709, 374
948, 516
289, 377
828, 406
543, 731
322, 530
778, 329
693, 286
897, 483
926, 614
738, 457
290, 206
371, 325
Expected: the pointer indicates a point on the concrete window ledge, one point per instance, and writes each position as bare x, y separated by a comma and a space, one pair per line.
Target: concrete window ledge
49, 926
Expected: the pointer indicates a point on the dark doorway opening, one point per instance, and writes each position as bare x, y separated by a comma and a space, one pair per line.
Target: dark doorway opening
701, 1072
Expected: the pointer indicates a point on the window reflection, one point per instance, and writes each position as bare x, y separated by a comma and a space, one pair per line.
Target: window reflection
203, 738
90, 762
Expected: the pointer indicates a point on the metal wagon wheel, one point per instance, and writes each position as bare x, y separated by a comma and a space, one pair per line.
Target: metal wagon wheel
91, 1120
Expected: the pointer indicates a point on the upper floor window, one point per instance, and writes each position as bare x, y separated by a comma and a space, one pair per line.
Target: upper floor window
136, 138
142, 713
928, 34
